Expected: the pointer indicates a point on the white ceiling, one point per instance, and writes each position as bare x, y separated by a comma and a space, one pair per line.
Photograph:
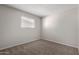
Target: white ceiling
43, 9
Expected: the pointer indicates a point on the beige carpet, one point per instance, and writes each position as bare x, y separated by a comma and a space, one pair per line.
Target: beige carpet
40, 47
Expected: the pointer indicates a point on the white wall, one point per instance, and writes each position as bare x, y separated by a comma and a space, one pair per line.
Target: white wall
11, 33
78, 28
61, 27
58, 27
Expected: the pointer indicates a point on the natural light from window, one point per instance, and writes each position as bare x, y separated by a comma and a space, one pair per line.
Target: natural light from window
27, 22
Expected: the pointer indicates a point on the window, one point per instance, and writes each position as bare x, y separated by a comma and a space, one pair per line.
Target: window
27, 22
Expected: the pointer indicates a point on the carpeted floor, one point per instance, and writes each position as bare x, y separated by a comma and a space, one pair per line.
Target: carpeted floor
40, 47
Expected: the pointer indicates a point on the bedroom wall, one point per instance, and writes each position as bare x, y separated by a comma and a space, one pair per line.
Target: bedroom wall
11, 33
61, 27
78, 29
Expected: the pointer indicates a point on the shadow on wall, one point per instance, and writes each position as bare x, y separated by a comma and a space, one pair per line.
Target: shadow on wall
61, 27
